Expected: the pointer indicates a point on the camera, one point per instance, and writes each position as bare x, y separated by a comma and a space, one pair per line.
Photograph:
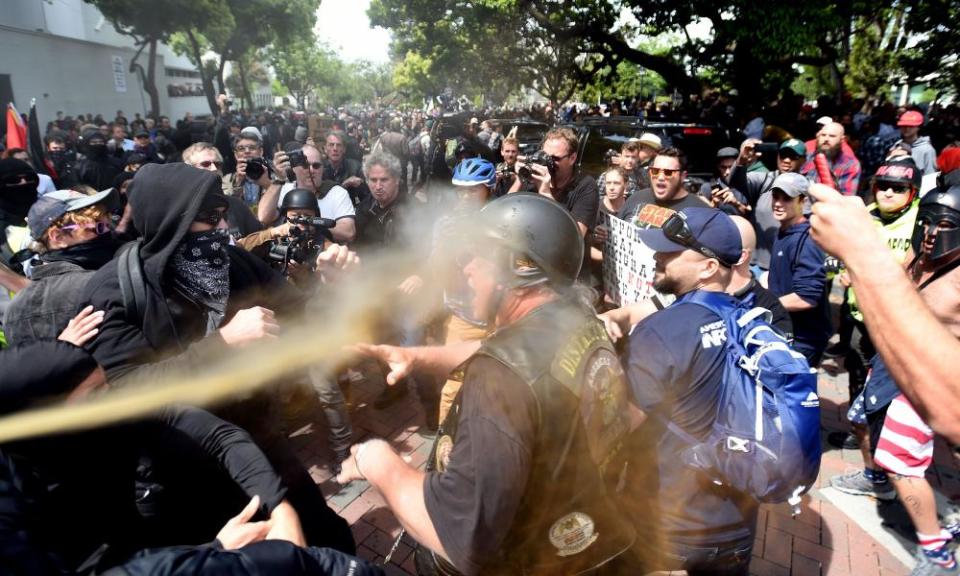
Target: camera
297, 158
539, 157
257, 166
302, 245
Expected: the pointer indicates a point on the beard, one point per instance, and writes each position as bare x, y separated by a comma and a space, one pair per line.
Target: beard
665, 285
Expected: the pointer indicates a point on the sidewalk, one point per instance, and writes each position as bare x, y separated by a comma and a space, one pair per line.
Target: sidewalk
835, 535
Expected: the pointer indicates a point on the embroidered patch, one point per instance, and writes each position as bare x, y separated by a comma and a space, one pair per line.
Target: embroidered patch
444, 447
573, 534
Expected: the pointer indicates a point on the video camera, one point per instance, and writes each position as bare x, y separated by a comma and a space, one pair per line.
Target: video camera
539, 157
302, 245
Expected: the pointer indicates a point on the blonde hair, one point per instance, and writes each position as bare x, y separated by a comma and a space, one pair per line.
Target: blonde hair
88, 215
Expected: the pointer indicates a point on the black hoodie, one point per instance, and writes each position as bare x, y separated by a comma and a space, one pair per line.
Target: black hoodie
165, 200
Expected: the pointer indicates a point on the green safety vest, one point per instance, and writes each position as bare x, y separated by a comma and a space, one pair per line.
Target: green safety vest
898, 235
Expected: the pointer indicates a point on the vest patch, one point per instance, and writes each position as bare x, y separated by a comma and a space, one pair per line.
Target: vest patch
573, 533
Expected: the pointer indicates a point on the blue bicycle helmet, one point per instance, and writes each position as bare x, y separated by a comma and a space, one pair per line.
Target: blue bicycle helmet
474, 171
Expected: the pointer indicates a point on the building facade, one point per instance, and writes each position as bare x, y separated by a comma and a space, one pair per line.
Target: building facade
69, 58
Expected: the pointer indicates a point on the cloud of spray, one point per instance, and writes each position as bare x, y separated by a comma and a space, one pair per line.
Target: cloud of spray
344, 312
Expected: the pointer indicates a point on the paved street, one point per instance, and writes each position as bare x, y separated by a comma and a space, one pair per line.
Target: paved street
835, 535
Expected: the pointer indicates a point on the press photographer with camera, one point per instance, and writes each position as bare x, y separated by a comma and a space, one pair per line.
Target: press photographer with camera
552, 172
302, 168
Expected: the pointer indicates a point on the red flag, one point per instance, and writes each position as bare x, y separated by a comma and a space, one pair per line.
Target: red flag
16, 129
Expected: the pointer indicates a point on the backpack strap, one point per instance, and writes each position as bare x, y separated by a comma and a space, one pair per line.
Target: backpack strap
133, 284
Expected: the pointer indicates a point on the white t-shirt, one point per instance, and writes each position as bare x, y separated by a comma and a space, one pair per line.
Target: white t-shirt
335, 205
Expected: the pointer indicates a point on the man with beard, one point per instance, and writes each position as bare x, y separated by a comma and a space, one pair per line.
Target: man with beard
844, 166
97, 169
75, 233
677, 376
197, 298
650, 207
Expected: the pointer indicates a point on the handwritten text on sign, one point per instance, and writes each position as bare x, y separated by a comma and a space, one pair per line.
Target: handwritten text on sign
628, 264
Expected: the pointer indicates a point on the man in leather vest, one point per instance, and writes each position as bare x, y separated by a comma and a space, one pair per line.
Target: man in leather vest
523, 474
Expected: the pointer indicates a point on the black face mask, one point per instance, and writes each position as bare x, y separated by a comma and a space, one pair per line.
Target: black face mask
96, 150
16, 198
90, 255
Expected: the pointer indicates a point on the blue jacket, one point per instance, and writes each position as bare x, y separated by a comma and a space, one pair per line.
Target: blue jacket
796, 266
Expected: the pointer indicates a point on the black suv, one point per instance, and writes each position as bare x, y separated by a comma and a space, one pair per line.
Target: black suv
599, 135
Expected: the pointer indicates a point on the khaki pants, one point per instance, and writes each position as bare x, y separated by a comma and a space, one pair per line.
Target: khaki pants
458, 330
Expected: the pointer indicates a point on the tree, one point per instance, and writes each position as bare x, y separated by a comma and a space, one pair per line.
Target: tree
149, 22
934, 56
301, 67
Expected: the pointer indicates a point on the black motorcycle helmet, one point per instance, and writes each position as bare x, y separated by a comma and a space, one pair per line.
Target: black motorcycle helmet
939, 205
539, 240
298, 199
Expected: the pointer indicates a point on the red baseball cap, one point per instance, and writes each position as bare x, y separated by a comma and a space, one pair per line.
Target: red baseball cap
910, 118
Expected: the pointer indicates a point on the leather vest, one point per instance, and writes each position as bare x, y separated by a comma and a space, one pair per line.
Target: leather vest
568, 521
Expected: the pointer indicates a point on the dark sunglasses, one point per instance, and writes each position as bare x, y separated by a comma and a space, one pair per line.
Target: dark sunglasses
677, 230
789, 156
315, 165
898, 187
209, 163
667, 172
212, 218
101, 227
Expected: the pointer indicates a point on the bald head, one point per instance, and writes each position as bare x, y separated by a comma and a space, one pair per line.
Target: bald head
829, 138
748, 239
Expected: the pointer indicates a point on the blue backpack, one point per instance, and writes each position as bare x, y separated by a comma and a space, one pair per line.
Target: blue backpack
765, 441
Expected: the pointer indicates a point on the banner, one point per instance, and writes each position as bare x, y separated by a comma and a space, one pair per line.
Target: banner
628, 264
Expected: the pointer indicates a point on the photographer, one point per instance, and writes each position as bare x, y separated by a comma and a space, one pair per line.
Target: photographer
306, 167
297, 242
253, 175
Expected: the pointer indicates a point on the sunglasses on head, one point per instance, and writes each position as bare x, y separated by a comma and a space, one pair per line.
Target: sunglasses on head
667, 172
896, 187
100, 227
212, 218
209, 163
676, 230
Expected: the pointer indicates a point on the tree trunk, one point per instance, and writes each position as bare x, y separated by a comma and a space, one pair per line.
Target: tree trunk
151, 86
148, 77
220, 80
244, 87
205, 79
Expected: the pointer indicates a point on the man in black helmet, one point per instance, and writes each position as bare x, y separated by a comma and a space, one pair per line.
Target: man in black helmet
524, 468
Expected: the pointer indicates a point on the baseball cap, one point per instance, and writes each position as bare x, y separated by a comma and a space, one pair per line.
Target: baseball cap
824, 120
52, 206
791, 184
251, 132
727, 152
651, 140
798, 147
710, 227
140, 133
910, 118
901, 169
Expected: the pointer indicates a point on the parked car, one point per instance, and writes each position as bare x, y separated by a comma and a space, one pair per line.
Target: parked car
598, 135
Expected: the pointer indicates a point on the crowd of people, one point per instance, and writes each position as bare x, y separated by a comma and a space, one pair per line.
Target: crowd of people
557, 412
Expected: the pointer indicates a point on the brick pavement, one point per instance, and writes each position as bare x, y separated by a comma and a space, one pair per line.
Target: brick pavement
823, 540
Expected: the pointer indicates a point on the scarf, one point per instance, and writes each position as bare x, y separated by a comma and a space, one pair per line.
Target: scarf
90, 255
201, 271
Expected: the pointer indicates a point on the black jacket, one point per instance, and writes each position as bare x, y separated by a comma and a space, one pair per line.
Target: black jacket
165, 200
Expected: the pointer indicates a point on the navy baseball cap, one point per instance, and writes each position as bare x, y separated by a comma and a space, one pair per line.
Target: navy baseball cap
52, 206
709, 227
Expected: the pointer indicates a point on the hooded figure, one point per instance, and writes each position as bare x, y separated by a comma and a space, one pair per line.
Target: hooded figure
18, 191
97, 169
195, 282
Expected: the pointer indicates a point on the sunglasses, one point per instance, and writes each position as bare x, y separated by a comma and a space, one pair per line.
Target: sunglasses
101, 227
559, 158
14, 179
789, 156
315, 165
898, 188
677, 230
667, 172
209, 163
247, 148
211, 218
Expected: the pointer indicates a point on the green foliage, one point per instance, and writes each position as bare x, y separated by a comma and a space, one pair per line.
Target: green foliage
934, 57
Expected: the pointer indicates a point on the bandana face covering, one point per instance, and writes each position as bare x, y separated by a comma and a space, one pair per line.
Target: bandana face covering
201, 270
